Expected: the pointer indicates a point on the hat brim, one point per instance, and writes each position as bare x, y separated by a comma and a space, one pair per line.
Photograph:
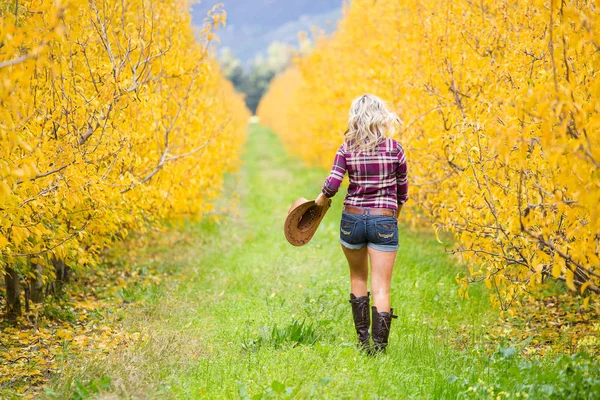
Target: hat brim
303, 219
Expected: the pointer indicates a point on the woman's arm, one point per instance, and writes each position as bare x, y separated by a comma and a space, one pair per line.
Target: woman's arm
402, 178
334, 180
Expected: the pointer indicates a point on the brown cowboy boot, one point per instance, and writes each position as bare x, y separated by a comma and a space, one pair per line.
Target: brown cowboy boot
382, 322
360, 312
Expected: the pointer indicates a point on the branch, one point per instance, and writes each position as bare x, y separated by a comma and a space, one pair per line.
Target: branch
591, 287
196, 150
156, 169
51, 248
35, 51
90, 131
551, 46
17, 60
433, 182
45, 174
418, 117
41, 193
509, 259
163, 157
548, 243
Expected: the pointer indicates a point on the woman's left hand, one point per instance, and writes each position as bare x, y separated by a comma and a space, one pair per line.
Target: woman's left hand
321, 200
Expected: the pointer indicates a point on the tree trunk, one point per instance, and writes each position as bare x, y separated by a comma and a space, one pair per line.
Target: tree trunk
37, 284
62, 273
13, 294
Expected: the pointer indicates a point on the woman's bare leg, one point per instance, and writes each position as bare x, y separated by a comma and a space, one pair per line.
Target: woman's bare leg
359, 270
382, 266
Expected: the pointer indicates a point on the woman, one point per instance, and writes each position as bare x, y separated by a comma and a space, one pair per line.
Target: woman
377, 169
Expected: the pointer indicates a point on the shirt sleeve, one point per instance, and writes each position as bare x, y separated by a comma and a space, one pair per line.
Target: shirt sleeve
334, 180
402, 176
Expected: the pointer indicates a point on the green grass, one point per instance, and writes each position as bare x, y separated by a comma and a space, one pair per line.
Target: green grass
258, 318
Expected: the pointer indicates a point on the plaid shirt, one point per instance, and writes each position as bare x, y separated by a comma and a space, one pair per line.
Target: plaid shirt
377, 180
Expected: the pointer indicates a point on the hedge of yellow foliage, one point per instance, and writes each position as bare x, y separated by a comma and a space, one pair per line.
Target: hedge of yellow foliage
501, 108
113, 114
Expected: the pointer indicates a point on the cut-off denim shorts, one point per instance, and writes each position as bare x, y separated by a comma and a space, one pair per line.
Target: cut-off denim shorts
379, 232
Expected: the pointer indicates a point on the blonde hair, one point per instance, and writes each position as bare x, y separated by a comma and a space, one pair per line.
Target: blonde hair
367, 124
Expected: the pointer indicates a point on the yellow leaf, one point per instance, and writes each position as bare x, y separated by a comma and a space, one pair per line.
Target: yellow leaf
556, 270
586, 302
584, 286
570, 277
539, 268
4, 189
18, 172
437, 235
3, 241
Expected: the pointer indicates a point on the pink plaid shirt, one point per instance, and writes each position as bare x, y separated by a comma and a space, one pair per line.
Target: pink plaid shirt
377, 180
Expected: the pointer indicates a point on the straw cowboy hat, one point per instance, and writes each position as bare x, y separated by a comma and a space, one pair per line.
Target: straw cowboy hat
303, 219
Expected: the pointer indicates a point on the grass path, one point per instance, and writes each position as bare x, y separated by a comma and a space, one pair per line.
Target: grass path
243, 322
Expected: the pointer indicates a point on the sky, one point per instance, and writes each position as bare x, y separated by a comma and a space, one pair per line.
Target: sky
253, 24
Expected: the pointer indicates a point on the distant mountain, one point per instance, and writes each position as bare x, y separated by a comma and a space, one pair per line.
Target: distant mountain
253, 24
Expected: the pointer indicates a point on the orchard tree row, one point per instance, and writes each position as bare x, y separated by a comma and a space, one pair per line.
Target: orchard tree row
254, 79
113, 117
500, 102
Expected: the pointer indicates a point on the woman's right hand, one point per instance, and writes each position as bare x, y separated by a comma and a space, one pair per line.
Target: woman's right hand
321, 200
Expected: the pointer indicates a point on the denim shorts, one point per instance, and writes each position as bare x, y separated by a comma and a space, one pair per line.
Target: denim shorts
379, 232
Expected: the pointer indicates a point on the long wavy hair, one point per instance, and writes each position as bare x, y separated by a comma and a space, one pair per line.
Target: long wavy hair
368, 123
